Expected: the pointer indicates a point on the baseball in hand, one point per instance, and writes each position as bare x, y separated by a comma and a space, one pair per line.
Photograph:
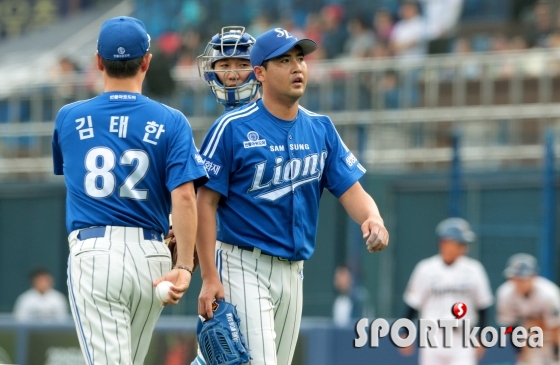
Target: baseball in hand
162, 289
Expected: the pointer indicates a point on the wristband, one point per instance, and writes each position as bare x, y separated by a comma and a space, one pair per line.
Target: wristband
184, 268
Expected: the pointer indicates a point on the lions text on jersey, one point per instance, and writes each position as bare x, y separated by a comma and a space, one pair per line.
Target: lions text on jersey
264, 167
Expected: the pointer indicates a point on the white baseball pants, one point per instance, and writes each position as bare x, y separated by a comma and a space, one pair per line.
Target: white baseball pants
113, 302
267, 292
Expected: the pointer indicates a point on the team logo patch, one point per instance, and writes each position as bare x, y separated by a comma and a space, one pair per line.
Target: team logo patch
121, 50
350, 160
253, 140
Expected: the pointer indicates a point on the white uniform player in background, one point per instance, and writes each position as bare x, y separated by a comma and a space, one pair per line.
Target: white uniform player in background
529, 300
440, 281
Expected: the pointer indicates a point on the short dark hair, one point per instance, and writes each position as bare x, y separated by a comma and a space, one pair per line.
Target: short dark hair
39, 271
265, 64
122, 69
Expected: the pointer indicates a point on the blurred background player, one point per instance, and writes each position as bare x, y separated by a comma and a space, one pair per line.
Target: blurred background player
352, 301
225, 67
438, 282
529, 300
42, 302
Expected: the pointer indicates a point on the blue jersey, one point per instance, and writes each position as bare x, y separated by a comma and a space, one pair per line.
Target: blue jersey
271, 174
121, 155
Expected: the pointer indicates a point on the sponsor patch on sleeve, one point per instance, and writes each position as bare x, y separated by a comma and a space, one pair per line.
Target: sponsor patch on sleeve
198, 159
350, 160
213, 169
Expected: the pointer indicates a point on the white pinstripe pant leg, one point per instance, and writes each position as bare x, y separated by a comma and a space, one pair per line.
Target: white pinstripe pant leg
111, 295
268, 295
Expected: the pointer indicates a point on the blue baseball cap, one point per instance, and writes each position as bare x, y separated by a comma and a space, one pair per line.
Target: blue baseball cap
456, 229
521, 265
122, 38
277, 42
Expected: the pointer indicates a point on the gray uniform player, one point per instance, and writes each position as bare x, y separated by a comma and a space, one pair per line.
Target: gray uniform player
529, 300
440, 281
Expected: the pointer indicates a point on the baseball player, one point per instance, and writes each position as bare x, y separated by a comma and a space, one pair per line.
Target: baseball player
440, 281
530, 300
121, 185
225, 67
268, 164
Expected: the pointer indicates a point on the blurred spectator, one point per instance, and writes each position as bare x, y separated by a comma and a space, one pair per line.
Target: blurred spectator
191, 43
380, 49
313, 30
160, 85
93, 78
504, 68
389, 89
520, 9
409, 47
289, 25
259, 25
334, 34
191, 13
41, 302
351, 303
470, 67
407, 38
65, 75
442, 17
383, 24
540, 26
360, 40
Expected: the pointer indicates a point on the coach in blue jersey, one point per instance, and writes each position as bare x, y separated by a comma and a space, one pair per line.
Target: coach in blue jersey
127, 162
268, 163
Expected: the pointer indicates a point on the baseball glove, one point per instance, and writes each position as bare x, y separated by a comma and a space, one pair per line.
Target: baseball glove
171, 243
219, 338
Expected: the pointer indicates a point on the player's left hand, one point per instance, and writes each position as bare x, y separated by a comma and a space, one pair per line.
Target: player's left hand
375, 234
181, 280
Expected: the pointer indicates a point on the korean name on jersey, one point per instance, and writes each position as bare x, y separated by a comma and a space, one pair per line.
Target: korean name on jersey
116, 151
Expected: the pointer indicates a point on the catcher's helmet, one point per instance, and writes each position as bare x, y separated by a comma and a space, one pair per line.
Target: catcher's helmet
231, 42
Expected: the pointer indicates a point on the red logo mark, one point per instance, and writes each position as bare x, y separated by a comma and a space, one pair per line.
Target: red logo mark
508, 330
459, 310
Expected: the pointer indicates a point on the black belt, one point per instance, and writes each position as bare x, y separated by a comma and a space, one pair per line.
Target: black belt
251, 248
96, 232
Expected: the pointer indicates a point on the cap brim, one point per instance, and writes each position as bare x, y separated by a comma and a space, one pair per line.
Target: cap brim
307, 46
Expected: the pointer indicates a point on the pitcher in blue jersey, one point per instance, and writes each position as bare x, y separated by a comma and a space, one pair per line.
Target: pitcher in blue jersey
268, 163
127, 162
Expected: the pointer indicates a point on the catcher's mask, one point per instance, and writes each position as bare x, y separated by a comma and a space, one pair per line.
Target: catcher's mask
231, 42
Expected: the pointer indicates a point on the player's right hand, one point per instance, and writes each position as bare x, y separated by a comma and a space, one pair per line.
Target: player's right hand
212, 289
181, 280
